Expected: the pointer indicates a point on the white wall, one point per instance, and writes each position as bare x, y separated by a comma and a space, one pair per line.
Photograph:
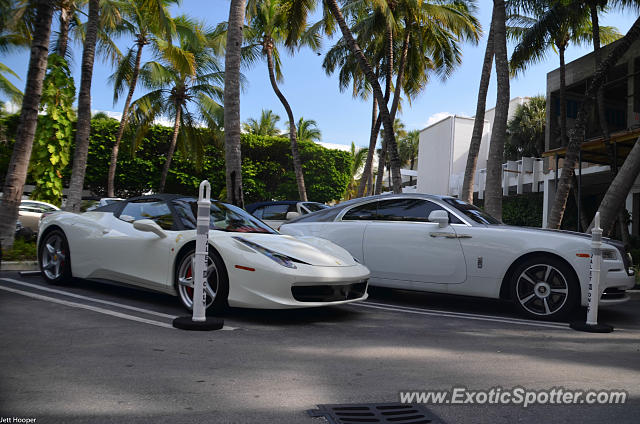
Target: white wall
461, 140
434, 157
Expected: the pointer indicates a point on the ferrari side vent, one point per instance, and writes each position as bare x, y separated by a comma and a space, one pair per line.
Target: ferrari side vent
382, 413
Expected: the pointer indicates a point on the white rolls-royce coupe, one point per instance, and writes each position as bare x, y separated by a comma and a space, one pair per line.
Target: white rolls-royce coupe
149, 242
441, 244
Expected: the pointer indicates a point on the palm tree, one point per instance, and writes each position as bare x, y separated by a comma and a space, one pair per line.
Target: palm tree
576, 135
146, 21
357, 156
18, 166
478, 123
266, 125
525, 130
408, 149
83, 125
399, 132
268, 30
15, 32
428, 35
176, 85
493, 190
233, 159
308, 130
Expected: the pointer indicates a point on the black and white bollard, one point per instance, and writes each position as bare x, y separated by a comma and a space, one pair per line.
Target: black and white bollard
199, 320
592, 325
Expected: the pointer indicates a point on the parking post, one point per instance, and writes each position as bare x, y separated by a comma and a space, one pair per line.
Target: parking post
593, 296
199, 320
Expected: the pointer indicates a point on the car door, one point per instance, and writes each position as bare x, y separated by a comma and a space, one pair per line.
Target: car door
140, 257
29, 214
400, 245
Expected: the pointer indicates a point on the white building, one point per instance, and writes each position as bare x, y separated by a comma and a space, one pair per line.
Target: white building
444, 147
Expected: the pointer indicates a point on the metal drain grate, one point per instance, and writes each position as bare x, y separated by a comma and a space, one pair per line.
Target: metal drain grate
382, 413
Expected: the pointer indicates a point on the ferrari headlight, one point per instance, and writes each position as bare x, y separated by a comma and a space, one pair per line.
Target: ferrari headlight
283, 260
609, 255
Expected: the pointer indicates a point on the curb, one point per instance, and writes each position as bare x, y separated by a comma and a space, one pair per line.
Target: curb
19, 266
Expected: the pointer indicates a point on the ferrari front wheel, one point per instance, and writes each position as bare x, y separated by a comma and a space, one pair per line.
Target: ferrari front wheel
217, 288
53, 257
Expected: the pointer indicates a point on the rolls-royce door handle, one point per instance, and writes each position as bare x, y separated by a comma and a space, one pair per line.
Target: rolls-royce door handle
449, 235
443, 234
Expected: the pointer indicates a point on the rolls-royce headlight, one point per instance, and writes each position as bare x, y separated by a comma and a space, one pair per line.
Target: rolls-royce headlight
283, 260
609, 255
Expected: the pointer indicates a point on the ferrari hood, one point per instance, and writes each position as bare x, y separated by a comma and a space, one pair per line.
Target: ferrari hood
311, 250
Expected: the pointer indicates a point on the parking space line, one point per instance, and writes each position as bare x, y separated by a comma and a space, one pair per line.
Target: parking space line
87, 307
92, 299
78, 296
417, 311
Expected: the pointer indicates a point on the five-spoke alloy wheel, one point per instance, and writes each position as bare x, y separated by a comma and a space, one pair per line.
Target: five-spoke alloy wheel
544, 287
54, 258
217, 287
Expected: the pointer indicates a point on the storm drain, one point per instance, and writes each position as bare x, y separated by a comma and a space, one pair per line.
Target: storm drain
388, 413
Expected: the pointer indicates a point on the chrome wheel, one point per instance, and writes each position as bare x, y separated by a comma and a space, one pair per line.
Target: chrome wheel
53, 256
542, 290
185, 281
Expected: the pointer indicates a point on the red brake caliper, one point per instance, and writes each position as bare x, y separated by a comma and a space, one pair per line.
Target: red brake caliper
189, 289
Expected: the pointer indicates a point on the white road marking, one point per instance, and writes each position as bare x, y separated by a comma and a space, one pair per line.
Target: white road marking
92, 299
78, 296
460, 315
87, 307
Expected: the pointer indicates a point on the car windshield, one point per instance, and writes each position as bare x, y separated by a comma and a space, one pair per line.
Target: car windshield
224, 217
472, 212
314, 207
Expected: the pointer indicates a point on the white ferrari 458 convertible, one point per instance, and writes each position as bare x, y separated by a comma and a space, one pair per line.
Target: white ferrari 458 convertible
149, 242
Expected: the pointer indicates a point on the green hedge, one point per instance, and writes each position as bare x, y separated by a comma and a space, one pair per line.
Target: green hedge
267, 166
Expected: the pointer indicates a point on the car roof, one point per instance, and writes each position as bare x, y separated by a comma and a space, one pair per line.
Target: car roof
329, 214
166, 197
253, 206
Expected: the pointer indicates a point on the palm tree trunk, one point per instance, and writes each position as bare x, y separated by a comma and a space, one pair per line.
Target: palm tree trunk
19, 164
493, 191
413, 159
123, 122
83, 126
576, 135
478, 124
602, 117
232, 146
297, 165
373, 138
381, 164
615, 197
172, 148
377, 92
563, 97
401, 68
63, 35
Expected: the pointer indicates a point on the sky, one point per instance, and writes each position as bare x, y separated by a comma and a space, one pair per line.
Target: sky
315, 95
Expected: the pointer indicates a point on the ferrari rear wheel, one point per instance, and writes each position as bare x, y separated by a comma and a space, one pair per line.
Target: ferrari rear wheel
217, 287
544, 288
54, 258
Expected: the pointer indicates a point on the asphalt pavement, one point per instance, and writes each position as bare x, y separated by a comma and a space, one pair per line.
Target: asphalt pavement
95, 352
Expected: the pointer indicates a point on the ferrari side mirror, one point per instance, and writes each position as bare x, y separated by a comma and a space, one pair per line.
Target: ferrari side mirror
149, 226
